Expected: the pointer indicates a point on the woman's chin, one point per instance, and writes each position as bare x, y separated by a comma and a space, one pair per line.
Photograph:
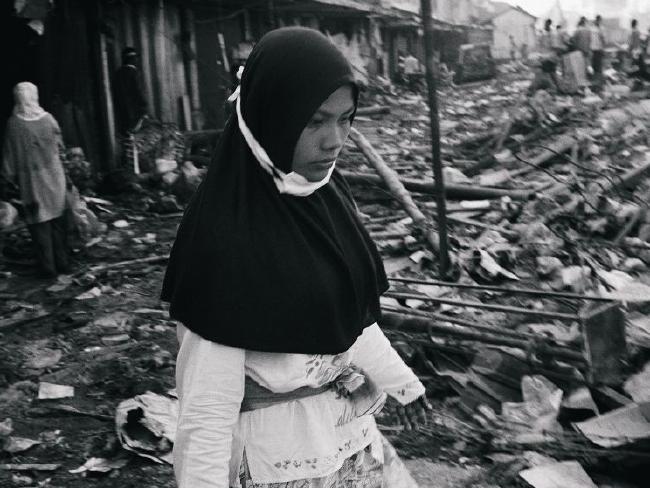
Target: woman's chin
314, 176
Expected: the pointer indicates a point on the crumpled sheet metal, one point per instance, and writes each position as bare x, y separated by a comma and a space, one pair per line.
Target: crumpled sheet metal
146, 425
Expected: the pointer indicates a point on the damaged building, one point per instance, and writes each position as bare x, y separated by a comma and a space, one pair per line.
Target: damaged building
190, 52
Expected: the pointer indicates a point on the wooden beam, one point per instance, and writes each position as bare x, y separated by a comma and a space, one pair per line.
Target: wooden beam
175, 70
129, 30
145, 55
188, 34
456, 191
107, 100
161, 69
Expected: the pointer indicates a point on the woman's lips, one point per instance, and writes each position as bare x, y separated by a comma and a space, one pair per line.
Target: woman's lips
324, 163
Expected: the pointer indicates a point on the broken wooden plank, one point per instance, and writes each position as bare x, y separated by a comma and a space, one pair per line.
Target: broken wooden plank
147, 260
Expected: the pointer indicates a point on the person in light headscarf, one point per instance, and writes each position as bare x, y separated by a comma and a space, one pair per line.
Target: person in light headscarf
30, 161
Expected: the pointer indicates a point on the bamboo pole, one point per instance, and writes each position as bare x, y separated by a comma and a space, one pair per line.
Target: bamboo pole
396, 188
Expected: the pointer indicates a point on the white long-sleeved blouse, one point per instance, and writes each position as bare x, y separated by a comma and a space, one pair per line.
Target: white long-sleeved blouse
299, 439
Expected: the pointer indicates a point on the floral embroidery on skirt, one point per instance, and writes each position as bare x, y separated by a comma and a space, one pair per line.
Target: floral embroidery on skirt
361, 470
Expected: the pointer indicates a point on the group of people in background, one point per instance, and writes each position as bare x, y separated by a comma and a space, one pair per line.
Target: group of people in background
585, 47
588, 40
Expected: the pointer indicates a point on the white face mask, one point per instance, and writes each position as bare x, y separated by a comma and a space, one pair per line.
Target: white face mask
292, 183
299, 186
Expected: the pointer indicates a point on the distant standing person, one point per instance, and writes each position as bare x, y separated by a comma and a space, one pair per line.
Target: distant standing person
582, 38
30, 159
597, 50
411, 71
524, 51
546, 38
641, 74
513, 49
634, 41
560, 40
130, 103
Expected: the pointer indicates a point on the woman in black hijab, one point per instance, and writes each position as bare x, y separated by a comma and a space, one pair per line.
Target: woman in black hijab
277, 285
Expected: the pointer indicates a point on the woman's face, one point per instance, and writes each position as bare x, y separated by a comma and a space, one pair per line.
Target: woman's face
323, 137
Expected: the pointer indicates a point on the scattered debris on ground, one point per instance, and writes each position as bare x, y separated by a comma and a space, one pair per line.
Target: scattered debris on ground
537, 356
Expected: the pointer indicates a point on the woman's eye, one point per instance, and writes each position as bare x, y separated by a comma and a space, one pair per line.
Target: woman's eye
315, 122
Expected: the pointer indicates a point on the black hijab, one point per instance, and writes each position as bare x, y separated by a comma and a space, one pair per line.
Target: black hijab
257, 269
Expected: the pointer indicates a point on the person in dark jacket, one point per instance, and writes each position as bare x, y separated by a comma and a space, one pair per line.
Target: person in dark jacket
129, 100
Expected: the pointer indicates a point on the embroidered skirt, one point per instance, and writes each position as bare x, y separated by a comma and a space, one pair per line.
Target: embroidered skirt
361, 470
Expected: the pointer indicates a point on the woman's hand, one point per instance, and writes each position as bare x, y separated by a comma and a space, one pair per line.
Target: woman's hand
413, 415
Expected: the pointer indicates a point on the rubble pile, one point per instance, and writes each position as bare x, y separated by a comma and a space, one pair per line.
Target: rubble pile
540, 333
535, 350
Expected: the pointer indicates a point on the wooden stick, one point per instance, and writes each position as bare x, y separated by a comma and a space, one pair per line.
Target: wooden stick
29, 467
398, 321
490, 329
148, 260
395, 186
503, 289
461, 220
455, 191
481, 305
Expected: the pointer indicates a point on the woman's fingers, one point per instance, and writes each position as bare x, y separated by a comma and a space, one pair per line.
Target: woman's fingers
425, 403
421, 415
403, 415
413, 415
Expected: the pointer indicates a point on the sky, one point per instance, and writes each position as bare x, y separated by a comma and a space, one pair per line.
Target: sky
537, 7
613, 7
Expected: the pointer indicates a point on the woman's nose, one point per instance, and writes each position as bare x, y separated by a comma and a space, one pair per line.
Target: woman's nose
335, 138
